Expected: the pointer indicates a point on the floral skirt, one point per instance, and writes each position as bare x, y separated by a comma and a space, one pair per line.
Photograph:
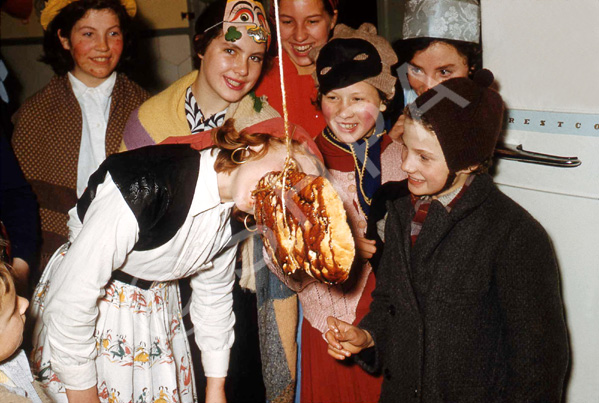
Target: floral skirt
142, 349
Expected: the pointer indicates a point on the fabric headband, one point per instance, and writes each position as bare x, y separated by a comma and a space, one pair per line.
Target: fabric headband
444, 19
54, 7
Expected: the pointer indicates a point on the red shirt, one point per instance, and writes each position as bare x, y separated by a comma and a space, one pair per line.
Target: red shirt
301, 93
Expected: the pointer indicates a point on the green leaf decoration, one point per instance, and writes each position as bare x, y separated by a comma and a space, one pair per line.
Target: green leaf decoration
258, 104
232, 34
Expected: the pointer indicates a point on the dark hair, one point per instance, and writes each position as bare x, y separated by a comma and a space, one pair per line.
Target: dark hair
328, 7
211, 16
59, 58
208, 28
472, 52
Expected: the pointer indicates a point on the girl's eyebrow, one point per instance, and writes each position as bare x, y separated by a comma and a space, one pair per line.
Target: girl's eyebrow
436, 68
95, 29
445, 66
306, 18
423, 151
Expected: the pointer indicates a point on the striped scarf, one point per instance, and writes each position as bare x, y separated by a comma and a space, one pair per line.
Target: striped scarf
195, 118
422, 204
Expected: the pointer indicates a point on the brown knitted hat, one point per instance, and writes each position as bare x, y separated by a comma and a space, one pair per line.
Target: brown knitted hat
354, 55
466, 117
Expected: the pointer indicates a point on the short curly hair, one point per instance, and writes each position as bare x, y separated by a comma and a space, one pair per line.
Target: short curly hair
228, 140
59, 58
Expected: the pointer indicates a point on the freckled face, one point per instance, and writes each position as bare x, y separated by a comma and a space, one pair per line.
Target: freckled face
351, 112
12, 322
435, 64
305, 24
96, 44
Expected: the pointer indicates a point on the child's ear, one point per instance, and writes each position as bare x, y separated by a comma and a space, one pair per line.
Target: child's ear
64, 41
382, 107
334, 19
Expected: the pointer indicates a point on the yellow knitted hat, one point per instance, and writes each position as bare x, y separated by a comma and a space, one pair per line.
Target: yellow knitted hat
53, 8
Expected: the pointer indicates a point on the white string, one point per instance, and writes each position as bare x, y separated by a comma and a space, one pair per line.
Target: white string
280, 54
285, 113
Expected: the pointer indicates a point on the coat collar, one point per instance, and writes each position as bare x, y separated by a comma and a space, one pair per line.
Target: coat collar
438, 224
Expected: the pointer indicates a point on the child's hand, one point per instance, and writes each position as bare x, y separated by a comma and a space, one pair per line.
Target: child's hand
345, 339
397, 130
366, 247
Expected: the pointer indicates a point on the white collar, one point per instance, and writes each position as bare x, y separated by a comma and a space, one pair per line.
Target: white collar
206, 195
105, 89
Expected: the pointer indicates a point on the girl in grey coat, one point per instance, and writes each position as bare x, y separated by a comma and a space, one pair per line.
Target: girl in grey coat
467, 306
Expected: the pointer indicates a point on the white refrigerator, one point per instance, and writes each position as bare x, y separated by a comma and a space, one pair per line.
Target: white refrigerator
545, 57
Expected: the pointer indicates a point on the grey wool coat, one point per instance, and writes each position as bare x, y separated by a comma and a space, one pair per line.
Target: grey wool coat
473, 312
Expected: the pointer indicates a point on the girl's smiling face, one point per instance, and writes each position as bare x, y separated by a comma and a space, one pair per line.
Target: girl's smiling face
423, 160
96, 44
229, 70
12, 322
305, 24
435, 64
351, 112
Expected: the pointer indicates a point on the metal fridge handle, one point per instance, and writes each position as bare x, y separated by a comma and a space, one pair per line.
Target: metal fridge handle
518, 153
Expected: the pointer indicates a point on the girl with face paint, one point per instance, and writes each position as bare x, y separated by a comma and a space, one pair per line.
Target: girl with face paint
109, 320
66, 130
355, 82
231, 40
305, 26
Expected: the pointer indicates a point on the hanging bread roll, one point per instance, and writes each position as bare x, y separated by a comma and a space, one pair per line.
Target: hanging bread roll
307, 230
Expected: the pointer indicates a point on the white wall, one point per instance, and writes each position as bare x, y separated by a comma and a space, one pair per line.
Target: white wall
545, 57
